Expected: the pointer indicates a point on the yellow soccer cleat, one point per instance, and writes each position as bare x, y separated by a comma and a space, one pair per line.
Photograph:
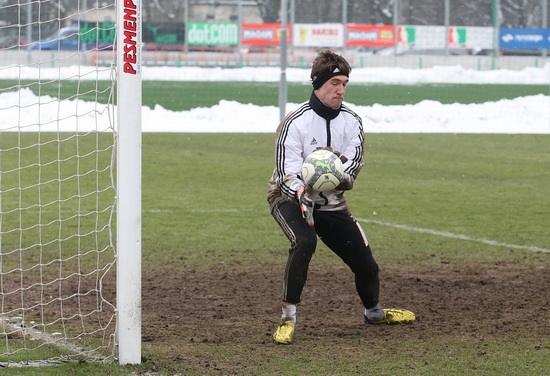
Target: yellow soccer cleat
394, 316
284, 332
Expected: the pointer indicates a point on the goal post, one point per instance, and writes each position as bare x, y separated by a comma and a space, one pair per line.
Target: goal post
70, 181
129, 181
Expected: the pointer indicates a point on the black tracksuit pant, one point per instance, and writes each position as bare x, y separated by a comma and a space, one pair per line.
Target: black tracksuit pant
342, 234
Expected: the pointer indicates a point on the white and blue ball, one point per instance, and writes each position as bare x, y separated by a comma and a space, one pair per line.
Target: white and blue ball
322, 170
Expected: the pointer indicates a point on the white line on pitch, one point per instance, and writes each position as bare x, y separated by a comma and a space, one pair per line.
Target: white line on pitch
454, 236
218, 210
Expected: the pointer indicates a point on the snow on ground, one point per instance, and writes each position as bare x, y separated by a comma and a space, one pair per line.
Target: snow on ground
529, 114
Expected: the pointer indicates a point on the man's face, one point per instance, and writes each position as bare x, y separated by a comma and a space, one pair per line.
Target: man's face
332, 92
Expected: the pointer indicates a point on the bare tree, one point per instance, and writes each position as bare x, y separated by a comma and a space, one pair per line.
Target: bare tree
471, 13
270, 10
522, 13
50, 14
515, 13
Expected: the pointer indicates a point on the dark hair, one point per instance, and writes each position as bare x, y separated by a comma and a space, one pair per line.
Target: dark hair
327, 60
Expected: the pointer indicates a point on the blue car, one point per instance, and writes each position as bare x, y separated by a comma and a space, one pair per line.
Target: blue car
69, 39
66, 38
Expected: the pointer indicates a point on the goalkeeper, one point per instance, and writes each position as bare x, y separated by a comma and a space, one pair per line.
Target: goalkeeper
323, 122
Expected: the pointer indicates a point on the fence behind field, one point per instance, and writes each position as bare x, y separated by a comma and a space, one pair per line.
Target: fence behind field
296, 59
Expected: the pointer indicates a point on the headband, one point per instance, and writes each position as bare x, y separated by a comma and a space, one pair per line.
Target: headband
326, 75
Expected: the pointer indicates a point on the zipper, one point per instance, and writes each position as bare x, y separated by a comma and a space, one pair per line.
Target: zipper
328, 133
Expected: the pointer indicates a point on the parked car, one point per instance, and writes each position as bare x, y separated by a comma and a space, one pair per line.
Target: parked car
11, 41
69, 39
409, 50
511, 52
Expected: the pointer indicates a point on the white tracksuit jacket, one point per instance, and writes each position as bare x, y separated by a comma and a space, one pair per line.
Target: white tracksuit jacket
311, 126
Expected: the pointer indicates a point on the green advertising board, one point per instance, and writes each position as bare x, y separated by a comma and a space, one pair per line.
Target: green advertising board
97, 32
458, 35
164, 33
153, 32
212, 34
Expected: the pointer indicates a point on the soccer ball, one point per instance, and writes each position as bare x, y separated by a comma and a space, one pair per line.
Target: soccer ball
322, 170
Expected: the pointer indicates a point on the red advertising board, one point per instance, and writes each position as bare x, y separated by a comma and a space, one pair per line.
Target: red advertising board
268, 34
356, 35
369, 35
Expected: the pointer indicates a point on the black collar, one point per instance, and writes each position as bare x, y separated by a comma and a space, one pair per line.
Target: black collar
321, 109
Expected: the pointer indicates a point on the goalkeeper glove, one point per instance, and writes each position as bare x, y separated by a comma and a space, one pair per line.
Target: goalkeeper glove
346, 181
306, 205
343, 158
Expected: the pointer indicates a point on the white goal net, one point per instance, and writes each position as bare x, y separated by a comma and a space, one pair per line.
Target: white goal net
58, 181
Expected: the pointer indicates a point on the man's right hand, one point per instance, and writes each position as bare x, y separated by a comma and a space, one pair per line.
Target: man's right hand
306, 205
